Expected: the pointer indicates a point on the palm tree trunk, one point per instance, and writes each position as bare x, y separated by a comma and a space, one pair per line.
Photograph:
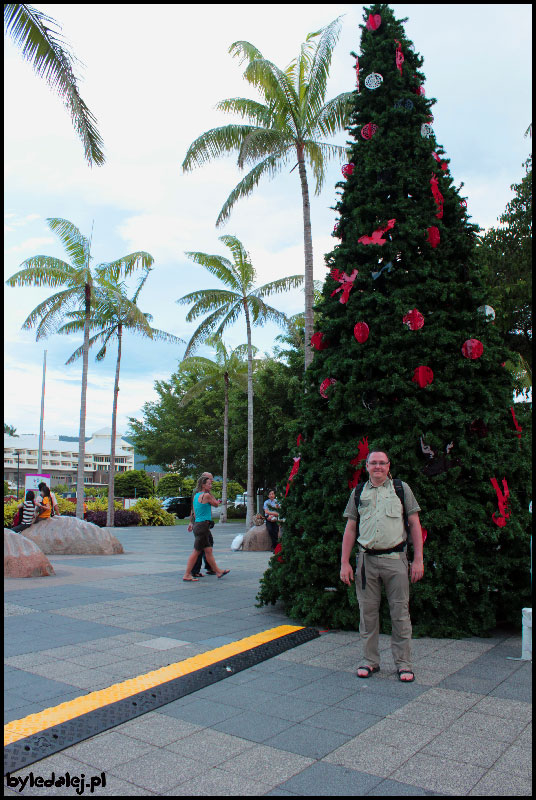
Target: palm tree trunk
82, 428
308, 250
249, 489
111, 511
223, 515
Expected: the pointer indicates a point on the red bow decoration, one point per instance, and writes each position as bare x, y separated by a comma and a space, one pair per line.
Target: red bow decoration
299, 440
361, 332
413, 319
376, 237
374, 21
444, 165
325, 385
502, 500
362, 451
424, 534
347, 169
346, 281
423, 376
318, 342
277, 550
355, 479
516, 424
433, 236
438, 197
399, 57
293, 473
472, 348
357, 73
368, 130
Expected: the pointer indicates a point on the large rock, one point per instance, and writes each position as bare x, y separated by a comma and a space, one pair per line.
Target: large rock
72, 536
23, 558
257, 538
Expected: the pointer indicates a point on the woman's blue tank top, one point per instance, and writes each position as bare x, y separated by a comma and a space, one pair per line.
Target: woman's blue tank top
202, 511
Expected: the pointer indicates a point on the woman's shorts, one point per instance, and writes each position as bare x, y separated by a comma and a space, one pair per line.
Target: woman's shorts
202, 536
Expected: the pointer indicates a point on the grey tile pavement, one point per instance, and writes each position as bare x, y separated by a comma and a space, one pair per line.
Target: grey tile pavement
298, 724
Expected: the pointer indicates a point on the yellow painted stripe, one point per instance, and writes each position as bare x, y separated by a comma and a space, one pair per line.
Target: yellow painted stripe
35, 723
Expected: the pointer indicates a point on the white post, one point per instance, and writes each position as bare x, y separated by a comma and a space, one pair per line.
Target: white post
526, 641
40, 451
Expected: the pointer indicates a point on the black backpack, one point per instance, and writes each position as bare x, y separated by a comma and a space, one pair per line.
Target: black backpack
399, 489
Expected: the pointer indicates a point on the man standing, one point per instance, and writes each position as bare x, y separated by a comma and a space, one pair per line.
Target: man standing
379, 528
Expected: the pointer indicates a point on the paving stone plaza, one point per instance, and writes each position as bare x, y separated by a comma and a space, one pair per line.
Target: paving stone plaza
300, 723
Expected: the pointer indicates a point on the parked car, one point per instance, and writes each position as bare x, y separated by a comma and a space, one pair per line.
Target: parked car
180, 506
240, 500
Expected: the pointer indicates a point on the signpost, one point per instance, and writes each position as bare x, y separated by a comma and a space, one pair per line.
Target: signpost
32, 482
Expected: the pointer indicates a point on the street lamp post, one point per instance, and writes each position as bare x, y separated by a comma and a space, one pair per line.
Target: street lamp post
18, 471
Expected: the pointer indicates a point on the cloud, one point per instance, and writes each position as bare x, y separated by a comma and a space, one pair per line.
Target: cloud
30, 244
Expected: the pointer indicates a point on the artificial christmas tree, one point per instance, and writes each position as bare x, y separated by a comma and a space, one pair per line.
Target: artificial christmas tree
407, 362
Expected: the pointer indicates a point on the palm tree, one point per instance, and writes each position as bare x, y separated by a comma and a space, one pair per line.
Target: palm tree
52, 60
231, 367
113, 313
285, 128
80, 282
224, 306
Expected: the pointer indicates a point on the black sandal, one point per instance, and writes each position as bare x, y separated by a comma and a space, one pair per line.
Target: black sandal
405, 672
370, 671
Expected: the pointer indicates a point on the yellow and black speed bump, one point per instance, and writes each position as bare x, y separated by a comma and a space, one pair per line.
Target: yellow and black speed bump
40, 735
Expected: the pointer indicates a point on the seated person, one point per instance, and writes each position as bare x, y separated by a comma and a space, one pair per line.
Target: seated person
28, 512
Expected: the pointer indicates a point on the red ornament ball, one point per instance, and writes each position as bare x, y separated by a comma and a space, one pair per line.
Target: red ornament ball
423, 376
318, 342
472, 348
374, 21
361, 332
347, 169
413, 319
368, 130
325, 385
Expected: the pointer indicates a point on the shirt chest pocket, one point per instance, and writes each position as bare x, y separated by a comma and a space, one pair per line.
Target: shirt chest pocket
365, 508
393, 508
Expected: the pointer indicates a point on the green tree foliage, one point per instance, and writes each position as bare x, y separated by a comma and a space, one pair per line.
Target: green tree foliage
170, 485
288, 126
505, 254
134, 483
7, 490
476, 573
10, 430
33, 32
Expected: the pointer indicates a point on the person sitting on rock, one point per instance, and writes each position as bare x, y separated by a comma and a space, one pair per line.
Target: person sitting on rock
28, 510
44, 506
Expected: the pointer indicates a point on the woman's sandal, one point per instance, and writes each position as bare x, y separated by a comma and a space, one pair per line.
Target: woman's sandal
189, 580
370, 671
405, 672
225, 572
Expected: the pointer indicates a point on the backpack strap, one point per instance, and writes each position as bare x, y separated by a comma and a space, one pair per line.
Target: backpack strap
399, 489
357, 497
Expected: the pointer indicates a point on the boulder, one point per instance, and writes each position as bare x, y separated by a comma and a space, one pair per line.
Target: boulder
23, 558
67, 536
257, 538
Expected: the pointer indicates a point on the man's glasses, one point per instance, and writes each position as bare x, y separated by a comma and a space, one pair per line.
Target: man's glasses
378, 463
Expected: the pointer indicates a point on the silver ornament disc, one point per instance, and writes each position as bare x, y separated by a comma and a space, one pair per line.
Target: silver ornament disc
426, 130
373, 80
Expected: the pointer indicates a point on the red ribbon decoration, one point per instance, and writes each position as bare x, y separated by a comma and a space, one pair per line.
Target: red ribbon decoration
318, 342
357, 73
516, 424
361, 332
444, 165
424, 534
399, 57
299, 440
346, 281
277, 550
355, 479
293, 473
374, 21
362, 451
423, 376
502, 500
433, 236
413, 319
438, 197
376, 237
326, 383
472, 348
347, 169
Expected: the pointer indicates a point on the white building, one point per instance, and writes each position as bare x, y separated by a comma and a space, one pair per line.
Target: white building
60, 459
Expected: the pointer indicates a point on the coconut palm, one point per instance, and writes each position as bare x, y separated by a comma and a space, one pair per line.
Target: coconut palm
51, 59
225, 306
113, 314
231, 367
286, 128
79, 294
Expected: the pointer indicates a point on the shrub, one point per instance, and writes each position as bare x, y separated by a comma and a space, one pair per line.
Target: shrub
9, 513
96, 517
135, 480
152, 513
101, 504
126, 519
169, 485
237, 512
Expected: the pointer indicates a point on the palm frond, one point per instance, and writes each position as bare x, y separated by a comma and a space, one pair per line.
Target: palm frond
244, 51
318, 74
219, 266
230, 319
257, 113
275, 86
125, 265
51, 59
161, 336
206, 329
74, 242
42, 271
332, 117
214, 143
101, 336
280, 285
57, 302
318, 154
271, 166
262, 142
206, 300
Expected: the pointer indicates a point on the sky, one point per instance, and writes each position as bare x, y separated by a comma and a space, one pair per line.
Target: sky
152, 78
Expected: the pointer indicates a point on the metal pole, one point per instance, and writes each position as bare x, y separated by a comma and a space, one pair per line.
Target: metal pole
18, 468
40, 452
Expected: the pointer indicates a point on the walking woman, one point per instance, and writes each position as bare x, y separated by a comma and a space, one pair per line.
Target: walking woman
203, 500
